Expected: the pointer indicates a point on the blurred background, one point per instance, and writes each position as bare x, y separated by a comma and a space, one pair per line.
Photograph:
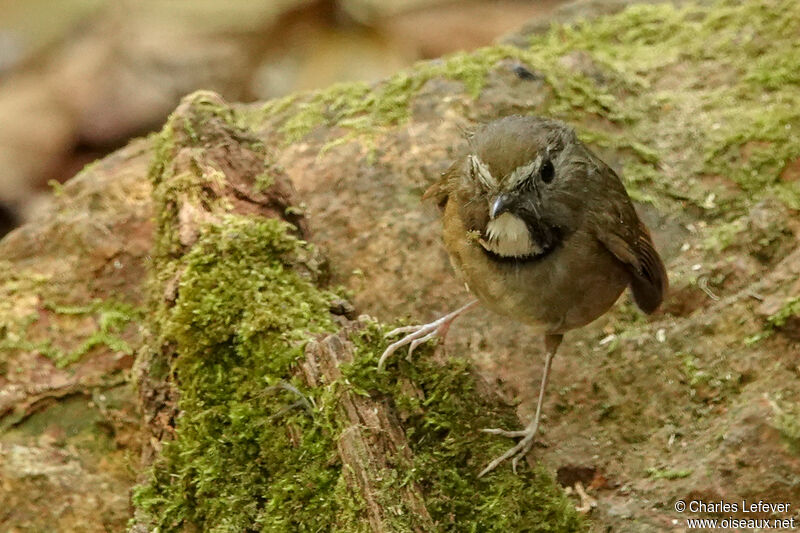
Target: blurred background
79, 78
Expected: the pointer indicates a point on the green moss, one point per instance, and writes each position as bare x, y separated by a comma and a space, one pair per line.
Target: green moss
73, 422
264, 181
777, 320
15, 316
724, 235
241, 318
668, 473
745, 120
787, 420
240, 323
694, 374
56, 187
248, 456
790, 308
111, 318
362, 110
442, 415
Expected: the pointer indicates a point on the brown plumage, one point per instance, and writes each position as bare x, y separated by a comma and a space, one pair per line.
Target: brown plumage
541, 231
602, 246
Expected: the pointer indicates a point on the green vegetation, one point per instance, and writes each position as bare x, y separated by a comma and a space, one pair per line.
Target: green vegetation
364, 110
443, 414
112, 318
104, 320
790, 308
724, 235
249, 454
776, 320
787, 420
239, 324
667, 473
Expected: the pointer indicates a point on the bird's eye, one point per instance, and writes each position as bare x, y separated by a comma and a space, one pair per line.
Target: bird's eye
548, 172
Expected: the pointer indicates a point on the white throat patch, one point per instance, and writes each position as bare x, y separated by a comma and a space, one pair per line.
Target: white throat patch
508, 236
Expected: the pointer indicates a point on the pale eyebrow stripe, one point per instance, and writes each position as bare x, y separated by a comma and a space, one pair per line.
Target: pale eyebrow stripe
482, 171
522, 172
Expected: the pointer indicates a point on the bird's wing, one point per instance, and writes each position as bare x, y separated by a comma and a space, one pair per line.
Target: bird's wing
440, 190
619, 229
630, 243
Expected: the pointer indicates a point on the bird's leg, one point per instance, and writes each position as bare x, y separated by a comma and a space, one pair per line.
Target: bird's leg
519, 451
423, 333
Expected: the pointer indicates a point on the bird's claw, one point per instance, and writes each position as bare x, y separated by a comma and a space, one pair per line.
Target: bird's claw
515, 453
403, 329
505, 432
417, 335
420, 334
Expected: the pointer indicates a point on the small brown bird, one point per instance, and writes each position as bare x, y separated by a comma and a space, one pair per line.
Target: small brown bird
541, 231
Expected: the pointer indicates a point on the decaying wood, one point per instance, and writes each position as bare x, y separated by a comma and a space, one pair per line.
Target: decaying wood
224, 150
373, 441
373, 444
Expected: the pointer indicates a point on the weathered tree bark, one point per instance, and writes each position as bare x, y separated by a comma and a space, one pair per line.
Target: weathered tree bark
373, 436
205, 168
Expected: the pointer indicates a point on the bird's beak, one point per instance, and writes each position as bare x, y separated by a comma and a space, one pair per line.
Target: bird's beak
499, 206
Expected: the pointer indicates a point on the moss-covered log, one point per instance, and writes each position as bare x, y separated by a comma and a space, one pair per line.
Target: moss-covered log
371, 444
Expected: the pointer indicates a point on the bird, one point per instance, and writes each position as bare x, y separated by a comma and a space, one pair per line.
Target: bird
541, 231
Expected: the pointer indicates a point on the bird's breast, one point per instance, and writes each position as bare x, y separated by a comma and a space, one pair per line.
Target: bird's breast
566, 288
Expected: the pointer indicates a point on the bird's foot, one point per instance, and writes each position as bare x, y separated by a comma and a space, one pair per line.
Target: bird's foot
516, 453
524, 446
420, 334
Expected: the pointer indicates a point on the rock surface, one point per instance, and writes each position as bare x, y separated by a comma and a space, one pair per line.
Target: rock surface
697, 109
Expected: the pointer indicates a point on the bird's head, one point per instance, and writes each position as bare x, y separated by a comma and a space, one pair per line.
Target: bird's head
521, 186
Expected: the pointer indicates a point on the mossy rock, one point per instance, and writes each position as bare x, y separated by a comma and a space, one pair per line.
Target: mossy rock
696, 107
